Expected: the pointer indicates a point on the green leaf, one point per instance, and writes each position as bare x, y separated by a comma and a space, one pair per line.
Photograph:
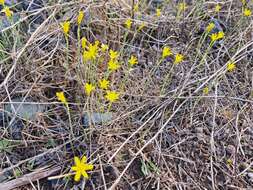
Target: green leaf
4, 144
144, 168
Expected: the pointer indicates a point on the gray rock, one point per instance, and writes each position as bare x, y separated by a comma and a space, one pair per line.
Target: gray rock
16, 129
5, 176
96, 118
25, 110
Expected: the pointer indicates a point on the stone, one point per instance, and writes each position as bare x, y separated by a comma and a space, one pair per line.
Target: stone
24, 110
96, 118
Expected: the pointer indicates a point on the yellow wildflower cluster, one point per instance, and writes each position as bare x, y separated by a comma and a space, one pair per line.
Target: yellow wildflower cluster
217, 36
6, 10
66, 24
167, 52
113, 63
110, 96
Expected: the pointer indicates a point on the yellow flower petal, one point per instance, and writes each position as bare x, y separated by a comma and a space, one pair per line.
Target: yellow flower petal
1, 2
84, 159
78, 175
89, 167
84, 173
77, 161
74, 168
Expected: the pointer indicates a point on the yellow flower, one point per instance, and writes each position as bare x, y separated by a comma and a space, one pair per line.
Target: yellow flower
61, 97
112, 96
128, 23
88, 88
104, 47
229, 162
80, 17
178, 58
217, 36
83, 42
65, 27
243, 2
103, 84
7, 12
166, 52
133, 60
231, 66
81, 167
217, 8
97, 43
247, 12
220, 35
181, 7
1, 2
136, 7
141, 26
113, 54
158, 12
210, 27
91, 53
113, 65
206, 90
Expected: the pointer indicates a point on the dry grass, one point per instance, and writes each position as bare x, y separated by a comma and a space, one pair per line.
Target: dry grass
165, 133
